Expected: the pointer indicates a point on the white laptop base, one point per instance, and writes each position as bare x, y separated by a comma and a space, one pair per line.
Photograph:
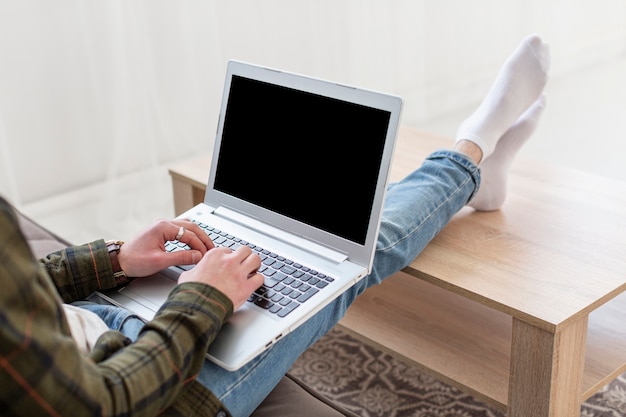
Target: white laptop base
251, 329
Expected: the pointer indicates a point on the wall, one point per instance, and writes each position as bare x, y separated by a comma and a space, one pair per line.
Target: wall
91, 91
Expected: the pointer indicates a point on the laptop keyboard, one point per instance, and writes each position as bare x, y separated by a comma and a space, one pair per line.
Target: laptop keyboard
287, 283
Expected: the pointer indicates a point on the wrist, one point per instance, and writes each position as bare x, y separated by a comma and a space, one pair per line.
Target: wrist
113, 247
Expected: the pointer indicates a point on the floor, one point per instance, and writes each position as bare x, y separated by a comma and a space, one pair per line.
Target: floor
582, 127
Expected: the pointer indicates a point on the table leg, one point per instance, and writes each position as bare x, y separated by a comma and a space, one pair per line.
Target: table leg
547, 370
185, 196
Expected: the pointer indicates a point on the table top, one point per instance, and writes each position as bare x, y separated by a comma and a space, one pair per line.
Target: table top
556, 250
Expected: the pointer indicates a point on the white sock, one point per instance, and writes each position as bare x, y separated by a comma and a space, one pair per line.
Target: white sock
495, 169
519, 83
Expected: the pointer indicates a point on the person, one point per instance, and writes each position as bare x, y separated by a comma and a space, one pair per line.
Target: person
159, 367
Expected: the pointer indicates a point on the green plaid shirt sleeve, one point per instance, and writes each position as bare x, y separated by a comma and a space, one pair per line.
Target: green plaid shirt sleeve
78, 271
43, 373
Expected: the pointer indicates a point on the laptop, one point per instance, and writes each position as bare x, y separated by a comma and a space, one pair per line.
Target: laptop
299, 173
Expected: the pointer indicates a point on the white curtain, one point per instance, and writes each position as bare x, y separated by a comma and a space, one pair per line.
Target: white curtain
104, 94
97, 89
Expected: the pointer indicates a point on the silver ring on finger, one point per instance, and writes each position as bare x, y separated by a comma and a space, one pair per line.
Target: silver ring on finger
180, 233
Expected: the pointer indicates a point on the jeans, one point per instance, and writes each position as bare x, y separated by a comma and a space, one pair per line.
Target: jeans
415, 210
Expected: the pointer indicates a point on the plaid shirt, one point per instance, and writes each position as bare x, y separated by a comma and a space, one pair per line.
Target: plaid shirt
42, 372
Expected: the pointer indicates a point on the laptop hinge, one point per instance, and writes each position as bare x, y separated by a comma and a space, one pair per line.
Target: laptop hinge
280, 234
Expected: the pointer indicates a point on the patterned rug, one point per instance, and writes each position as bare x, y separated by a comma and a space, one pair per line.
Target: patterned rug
371, 383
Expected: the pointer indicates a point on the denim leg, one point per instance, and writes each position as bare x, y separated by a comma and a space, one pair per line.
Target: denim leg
116, 318
416, 209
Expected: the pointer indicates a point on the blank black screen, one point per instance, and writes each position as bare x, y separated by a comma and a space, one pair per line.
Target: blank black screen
306, 156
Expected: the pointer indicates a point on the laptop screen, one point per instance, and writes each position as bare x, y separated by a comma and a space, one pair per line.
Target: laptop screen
312, 158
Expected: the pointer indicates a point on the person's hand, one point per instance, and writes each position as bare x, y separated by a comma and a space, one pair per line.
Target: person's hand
232, 272
145, 254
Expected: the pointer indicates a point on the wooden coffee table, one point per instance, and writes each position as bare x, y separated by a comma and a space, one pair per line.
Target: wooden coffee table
521, 307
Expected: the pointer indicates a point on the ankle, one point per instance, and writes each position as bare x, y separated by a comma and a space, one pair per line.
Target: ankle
470, 149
